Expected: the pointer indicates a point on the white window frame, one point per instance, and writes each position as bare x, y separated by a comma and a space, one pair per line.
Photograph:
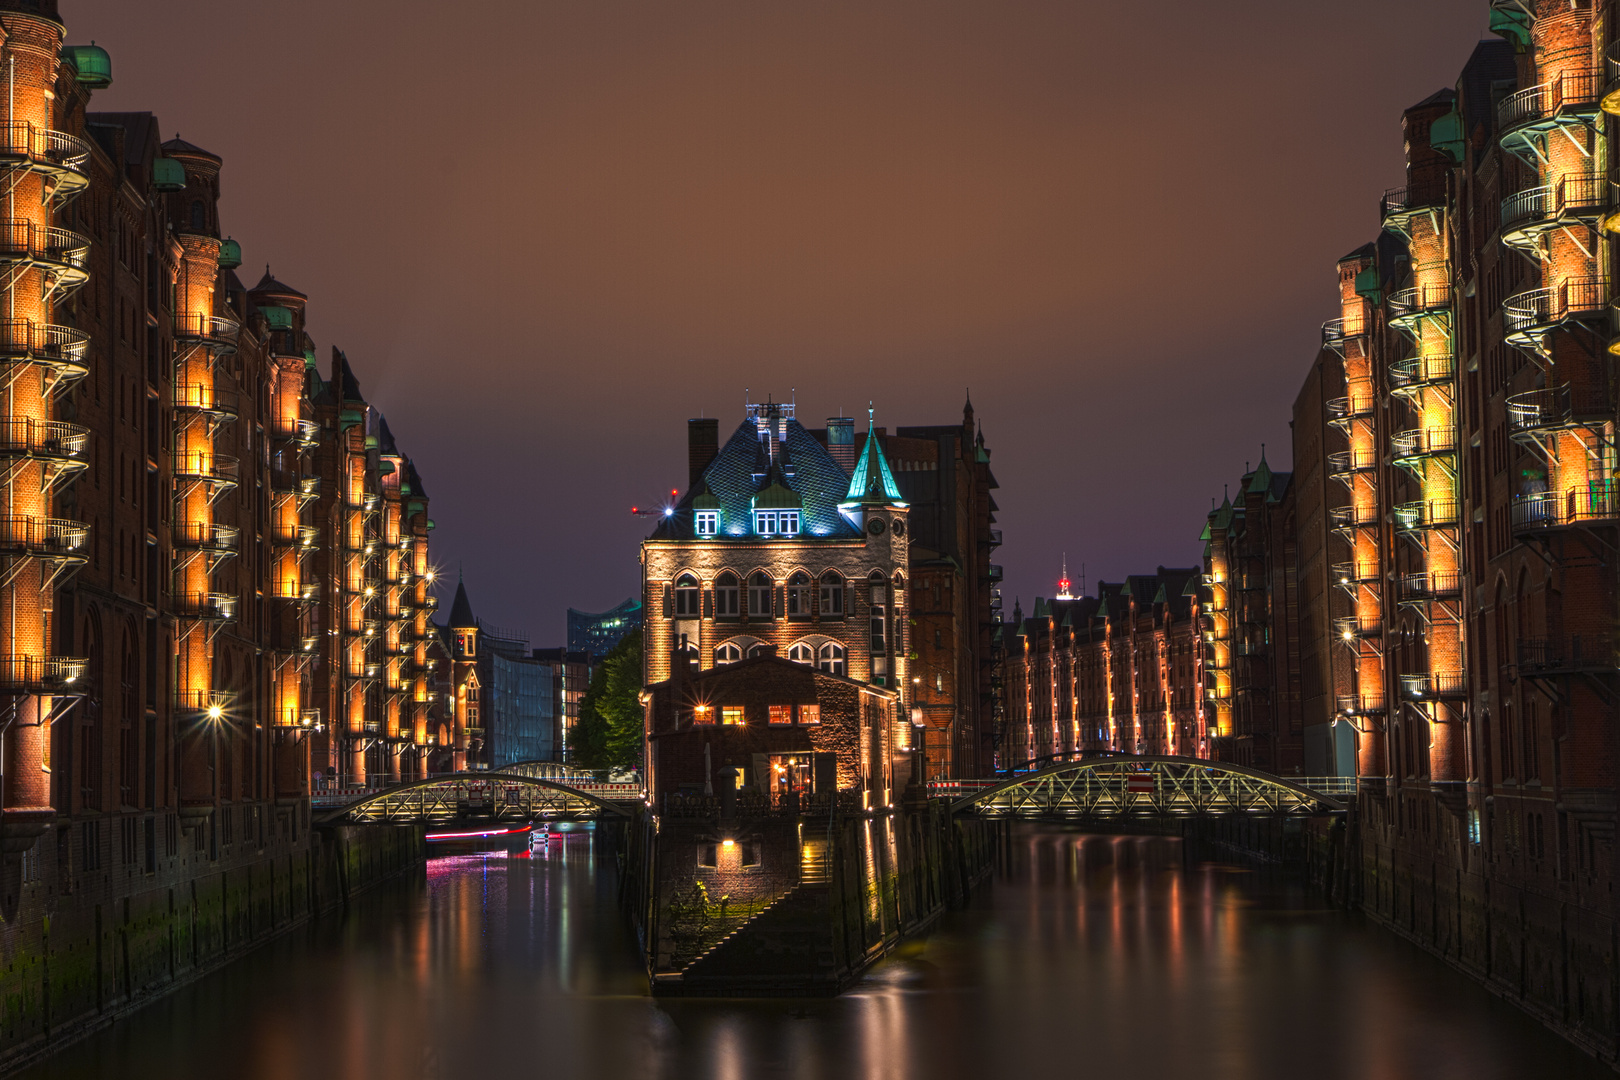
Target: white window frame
706, 522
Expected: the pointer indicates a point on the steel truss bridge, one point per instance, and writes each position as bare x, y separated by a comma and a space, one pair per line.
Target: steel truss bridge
1117, 787
505, 796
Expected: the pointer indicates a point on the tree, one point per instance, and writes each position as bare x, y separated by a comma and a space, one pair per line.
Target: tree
608, 734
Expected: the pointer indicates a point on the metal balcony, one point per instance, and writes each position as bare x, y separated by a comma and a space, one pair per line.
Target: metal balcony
299, 592
1410, 306
216, 470
1523, 116
219, 540
298, 719
1337, 334
1431, 585
61, 255
300, 486
1344, 464
366, 671
60, 349
199, 398
1566, 655
1435, 686
1354, 627
59, 444
1353, 517
1611, 76
1371, 704
303, 434
1400, 205
303, 537
1537, 512
1353, 576
1343, 410
205, 606
1529, 215
56, 155
203, 704
1416, 373
215, 332
23, 674
993, 572
1421, 443
1425, 515
1535, 414
44, 538
1527, 317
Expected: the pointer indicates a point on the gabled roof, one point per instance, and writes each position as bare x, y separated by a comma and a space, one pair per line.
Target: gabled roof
741, 471
872, 482
461, 614
385, 438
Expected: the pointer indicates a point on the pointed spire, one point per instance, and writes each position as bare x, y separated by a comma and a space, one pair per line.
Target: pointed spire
461, 613
872, 482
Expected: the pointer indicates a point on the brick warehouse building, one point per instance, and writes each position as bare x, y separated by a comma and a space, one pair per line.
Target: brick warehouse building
1119, 672
791, 538
1458, 437
207, 547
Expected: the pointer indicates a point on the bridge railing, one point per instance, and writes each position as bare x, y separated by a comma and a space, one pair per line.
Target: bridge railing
959, 789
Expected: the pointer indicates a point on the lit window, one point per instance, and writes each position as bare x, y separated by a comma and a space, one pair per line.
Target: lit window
809, 714
702, 714
765, 522
727, 653
726, 592
800, 653
832, 658
939, 682
706, 522
759, 596
798, 595
787, 523
687, 598
732, 715
781, 714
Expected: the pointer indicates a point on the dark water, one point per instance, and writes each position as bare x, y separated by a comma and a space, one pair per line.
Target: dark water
1090, 956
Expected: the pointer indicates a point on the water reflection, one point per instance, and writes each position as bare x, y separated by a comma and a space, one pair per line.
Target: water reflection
1091, 955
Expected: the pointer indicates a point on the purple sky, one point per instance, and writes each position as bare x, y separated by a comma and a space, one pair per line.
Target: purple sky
547, 233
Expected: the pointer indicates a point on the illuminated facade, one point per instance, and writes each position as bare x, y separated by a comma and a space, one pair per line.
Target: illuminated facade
1118, 672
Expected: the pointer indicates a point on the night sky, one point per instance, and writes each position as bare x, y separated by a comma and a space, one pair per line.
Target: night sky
547, 233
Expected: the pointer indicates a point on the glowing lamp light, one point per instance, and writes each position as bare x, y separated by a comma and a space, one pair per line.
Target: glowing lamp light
215, 712
728, 842
669, 511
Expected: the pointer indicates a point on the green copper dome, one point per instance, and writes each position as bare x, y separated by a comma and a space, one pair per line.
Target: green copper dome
92, 63
230, 254
168, 174
278, 317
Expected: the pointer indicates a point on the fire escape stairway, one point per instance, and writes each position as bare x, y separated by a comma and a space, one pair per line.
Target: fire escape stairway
786, 948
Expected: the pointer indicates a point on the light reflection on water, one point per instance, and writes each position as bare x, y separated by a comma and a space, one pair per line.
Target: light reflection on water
1090, 956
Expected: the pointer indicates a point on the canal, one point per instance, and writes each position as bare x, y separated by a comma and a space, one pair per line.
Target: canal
1093, 956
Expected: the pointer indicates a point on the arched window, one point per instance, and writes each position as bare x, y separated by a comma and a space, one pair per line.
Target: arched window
832, 658
726, 590
727, 653
759, 596
878, 610
800, 653
832, 595
199, 216
798, 595
688, 598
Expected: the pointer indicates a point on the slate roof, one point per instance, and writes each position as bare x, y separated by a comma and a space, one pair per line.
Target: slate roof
741, 470
177, 145
461, 613
271, 286
872, 482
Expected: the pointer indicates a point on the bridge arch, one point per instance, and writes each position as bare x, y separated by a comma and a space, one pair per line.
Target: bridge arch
1120, 786
501, 796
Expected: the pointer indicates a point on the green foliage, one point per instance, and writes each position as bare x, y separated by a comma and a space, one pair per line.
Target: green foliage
608, 734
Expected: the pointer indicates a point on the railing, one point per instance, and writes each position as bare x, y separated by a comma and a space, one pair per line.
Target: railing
298, 719
1349, 573
1345, 462
1336, 333
204, 702
206, 329
302, 485
1434, 685
23, 241
1350, 627
206, 606
1611, 63
1538, 310
206, 537
1420, 298
305, 433
1536, 104
1399, 202
1367, 704
42, 146
1352, 407
364, 671
1417, 371
22, 674
1423, 442
994, 573
1428, 514
1579, 652
1555, 408
1555, 509
303, 592
43, 536
302, 536
25, 340
1432, 585
44, 438
210, 468
1575, 193
1353, 517
201, 397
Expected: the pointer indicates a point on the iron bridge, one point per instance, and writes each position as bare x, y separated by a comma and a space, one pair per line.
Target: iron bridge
1123, 786
493, 796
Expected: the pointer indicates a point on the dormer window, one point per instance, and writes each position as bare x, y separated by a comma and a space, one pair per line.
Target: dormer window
706, 522
776, 522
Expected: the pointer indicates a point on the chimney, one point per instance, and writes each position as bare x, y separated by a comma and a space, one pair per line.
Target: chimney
702, 446
841, 442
